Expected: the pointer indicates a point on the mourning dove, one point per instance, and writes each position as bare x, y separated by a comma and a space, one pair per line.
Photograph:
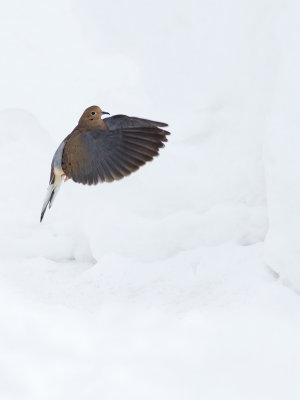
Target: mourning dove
103, 150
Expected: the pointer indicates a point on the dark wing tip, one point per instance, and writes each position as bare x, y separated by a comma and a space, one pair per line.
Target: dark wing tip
159, 133
161, 124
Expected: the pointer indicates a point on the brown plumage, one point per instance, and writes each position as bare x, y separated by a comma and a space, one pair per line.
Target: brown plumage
100, 150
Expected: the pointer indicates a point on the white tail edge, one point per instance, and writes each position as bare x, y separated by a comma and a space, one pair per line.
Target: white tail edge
52, 191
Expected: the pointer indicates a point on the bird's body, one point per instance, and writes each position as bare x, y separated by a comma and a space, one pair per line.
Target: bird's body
100, 150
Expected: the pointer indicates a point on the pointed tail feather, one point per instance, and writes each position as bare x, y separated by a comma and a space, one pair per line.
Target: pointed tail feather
52, 191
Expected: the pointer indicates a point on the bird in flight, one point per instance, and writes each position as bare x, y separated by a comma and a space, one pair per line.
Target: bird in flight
104, 150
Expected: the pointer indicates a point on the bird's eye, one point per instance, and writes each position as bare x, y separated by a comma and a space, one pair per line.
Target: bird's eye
93, 113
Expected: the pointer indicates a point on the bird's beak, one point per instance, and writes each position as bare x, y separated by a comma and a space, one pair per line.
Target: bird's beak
104, 112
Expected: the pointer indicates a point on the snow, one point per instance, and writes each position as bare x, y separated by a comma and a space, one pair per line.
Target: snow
282, 155
181, 281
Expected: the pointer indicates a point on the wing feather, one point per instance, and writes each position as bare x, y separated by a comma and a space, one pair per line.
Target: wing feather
123, 121
107, 155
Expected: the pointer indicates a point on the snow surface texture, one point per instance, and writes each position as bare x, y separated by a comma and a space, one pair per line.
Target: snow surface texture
180, 281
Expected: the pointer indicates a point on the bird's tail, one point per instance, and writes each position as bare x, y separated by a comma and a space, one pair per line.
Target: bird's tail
52, 191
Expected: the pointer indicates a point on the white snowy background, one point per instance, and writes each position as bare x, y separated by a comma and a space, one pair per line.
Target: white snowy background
181, 281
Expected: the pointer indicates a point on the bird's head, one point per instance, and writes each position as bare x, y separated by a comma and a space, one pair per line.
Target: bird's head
92, 116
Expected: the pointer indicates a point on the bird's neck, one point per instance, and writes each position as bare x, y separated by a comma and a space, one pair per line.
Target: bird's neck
92, 125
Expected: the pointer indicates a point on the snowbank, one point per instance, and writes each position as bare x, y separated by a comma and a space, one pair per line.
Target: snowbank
282, 148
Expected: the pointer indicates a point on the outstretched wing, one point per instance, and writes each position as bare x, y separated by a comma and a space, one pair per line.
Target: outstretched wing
105, 156
123, 121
